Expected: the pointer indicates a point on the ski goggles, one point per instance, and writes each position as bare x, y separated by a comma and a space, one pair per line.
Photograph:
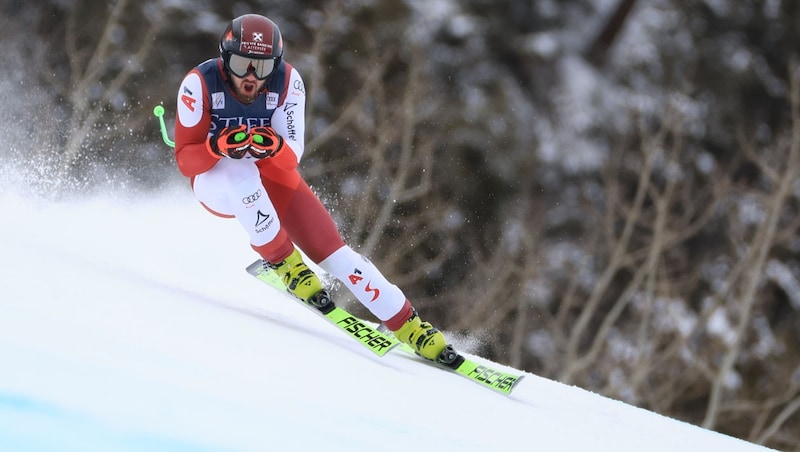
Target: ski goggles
240, 66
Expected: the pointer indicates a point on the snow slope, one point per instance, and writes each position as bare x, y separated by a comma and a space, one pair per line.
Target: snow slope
131, 325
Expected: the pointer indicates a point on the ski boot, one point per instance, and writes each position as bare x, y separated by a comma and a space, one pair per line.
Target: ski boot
301, 282
427, 341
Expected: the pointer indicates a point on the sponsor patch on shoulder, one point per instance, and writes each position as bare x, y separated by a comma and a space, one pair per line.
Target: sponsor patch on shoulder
218, 101
272, 101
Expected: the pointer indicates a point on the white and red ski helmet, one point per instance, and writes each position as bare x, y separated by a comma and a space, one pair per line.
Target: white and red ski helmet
254, 37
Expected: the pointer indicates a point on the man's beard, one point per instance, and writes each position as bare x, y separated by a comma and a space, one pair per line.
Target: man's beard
249, 91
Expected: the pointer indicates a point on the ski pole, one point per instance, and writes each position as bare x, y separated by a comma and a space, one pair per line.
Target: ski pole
159, 112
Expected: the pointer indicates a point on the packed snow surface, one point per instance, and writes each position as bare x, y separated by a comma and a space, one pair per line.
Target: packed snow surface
131, 325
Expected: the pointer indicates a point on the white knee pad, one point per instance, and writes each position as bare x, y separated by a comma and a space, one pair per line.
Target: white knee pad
365, 281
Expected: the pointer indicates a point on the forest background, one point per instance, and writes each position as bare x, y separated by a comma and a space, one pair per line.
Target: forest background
602, 192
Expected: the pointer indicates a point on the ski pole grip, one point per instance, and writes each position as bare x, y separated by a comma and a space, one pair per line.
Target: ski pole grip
159, 112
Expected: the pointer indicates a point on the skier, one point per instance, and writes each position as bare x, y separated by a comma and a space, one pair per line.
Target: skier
239, 136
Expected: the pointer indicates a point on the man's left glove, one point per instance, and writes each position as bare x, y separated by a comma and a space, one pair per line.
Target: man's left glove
230, 142
265, 142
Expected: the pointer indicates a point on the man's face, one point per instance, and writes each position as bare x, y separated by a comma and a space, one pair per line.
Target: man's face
247, 87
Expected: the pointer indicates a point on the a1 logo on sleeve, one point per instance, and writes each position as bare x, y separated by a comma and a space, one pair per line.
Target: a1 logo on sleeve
190, 101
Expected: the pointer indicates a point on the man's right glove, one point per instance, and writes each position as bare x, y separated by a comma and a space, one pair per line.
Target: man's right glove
232, 142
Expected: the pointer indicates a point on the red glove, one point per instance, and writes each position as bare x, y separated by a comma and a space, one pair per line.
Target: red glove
231, 142
265, 142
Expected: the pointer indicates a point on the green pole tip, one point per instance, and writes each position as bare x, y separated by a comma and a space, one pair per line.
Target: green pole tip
158, 110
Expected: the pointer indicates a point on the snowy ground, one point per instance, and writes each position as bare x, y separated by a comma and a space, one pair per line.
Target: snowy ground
132, 325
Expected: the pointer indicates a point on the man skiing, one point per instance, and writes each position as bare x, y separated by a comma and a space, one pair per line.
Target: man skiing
239, 136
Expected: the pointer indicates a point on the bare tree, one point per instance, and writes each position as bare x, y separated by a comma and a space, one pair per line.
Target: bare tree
376, 146
600, 46
100, 73
747, 277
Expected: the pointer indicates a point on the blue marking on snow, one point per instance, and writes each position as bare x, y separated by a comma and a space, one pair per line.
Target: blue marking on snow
31, 425
21, 403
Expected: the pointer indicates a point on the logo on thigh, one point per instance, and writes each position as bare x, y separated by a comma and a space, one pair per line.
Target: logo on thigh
263, 221
249, 200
